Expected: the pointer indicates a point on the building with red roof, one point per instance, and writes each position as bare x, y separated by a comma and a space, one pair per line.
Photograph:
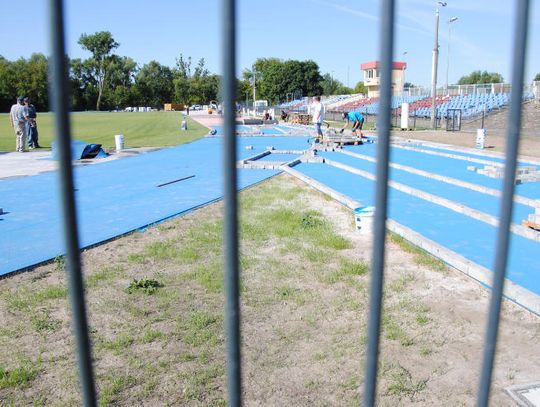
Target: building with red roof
372, 79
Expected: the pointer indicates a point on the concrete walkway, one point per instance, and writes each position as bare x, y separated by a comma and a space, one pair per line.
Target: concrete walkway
13, 164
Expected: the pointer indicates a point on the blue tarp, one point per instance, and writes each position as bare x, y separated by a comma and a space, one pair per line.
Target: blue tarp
81, 150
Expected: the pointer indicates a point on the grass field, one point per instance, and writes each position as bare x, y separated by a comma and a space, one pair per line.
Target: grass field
150, 129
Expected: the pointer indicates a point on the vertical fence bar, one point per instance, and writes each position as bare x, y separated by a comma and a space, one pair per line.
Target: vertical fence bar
232, 307
60, 102
503, 236
381, 195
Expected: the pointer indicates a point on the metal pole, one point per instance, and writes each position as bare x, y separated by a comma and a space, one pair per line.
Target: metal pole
381, 198
448, 56
503, 235
254, 91
230, 232
448, 53
60, 104
434, 70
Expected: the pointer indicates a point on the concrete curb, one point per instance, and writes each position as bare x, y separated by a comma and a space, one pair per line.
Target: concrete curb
512, 291
488, 154
456, 207
448, 180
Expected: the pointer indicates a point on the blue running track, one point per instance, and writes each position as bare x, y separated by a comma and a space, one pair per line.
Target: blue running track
119, 196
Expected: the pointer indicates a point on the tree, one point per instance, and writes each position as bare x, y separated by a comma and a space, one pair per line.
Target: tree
182, 75
480, 77
277, 78
26, 77
121, 89
360, 88
331, 86
100, 45
8, 85
243, 90
155, 84
83, 89
203, 86
32, 80
537, 77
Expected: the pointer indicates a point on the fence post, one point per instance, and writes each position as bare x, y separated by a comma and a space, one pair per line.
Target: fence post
60, 104
230, 228
503, 233
381, 202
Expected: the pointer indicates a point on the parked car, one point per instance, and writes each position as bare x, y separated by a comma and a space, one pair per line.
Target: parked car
196, 107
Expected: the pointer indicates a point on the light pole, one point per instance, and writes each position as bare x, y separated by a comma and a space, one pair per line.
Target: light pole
403, 75
434, 67
331, 83
254, 91
453, 19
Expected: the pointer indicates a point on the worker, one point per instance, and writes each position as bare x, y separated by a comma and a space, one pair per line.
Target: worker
358, 121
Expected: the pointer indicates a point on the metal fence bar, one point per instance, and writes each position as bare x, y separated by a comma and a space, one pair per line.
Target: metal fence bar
381, 195
232, 308
60, 103
503, 238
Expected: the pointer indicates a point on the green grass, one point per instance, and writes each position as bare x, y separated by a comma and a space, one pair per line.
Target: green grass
20, 376
421, 257
43, 322
402, 384
337, 124
104, 274
24, 299
115, 385
346, 271
150, 129
145, 285
118, 344
394, 332
201, 329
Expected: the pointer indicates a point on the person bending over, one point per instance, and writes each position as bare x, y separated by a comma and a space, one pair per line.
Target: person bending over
357, 119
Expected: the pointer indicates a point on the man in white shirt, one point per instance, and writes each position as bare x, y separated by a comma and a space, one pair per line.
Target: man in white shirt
17, 119
317, 110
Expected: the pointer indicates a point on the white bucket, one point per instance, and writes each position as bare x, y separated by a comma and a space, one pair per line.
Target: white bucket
119, 141
363, 218
480, 138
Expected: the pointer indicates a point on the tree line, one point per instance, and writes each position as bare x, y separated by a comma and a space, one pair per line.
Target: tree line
106, 81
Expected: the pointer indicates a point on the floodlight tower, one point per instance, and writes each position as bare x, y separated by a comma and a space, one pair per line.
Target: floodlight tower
434, 67
453, 19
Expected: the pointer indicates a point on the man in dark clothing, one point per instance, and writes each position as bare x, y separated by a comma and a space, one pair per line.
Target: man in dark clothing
31, 124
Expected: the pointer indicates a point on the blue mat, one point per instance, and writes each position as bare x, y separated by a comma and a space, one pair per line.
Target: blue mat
118, 196
447, 166
473, 199
472, 239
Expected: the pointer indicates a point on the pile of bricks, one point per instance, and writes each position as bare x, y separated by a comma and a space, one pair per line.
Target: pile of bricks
523, 174
533, 220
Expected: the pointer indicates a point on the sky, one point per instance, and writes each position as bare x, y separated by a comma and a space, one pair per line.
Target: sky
337, 34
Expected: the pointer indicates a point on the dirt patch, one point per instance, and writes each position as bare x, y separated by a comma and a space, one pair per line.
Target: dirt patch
529, 147
305, 277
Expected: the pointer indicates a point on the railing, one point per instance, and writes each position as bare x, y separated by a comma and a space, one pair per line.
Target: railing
59, 92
